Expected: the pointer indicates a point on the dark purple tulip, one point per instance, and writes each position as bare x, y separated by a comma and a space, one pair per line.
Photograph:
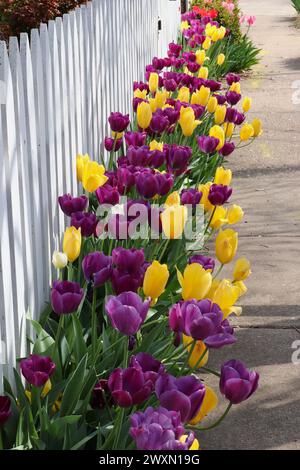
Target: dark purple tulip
65, 297
193, 67
117, 226
202, 320
131, 343
205, 261
97, 267
170, 85
149, 365
112, 178
168, 62
118, 122
158, 429
231, 114
87, 221
198, 110
189, 56
178, 63
147, 184
157, 63
232, 78
122, 281
213, 85
175, 49
129, 386
237, 383
5, 409
138, 156
156, 158
127, 312
183, 394
232, 97
199, 39
126, 179
219, 194
137, 139
128, 260
220, 98
165, 183
99, 400
172, 114
37, 369
227, 149
178, 158
159, 122
69, 204
207, 144
141, 86
240, 118
108, 194
136, 102
112, 145
190, 197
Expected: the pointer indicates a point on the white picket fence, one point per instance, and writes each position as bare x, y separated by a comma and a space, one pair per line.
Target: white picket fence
57, 88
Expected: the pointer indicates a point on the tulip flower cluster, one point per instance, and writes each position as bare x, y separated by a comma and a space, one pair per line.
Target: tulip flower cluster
137, 307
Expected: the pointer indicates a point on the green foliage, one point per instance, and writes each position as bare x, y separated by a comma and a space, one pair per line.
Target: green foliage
296, 5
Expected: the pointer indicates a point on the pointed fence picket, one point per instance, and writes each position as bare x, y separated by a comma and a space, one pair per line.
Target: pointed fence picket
57, 88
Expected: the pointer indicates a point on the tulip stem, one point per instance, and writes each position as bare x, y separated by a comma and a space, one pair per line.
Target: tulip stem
218, 271
206, 369
216, 423
94, 324
187, 358
210, 219
200, 359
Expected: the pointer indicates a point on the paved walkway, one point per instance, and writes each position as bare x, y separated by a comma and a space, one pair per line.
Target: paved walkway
267, 185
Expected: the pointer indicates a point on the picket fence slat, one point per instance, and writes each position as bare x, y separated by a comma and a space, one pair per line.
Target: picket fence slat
60, 84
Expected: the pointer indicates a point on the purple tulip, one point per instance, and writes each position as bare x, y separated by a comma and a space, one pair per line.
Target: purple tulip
129, 386
202, 320
159, 122
219, 194
69, 204
87, 221
156, 158
126, 179
158, 429
136, 102
206, 262
189, 56
232, 97
231, 115
170, 85
237, 383
147, 184
240, 118
157, 63
66, 297
112, 145
190, 197
193, 67
232, 78
165, 183
174, 49
227, 149
220, 98
172, 115
97, 267
129, 260
198, 110
141, 86
183, 394
213, 85
207, 144
149, 365
127, 312
37, 369
123, 281
5, 409
138, 156
118, 122
137, 139
178, 158
99, 399
107, 194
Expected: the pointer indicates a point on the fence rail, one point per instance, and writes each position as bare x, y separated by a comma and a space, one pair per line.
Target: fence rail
57, 88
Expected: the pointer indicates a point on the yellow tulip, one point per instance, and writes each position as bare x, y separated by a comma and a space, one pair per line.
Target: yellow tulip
235, 86
212, 104
140, 94
117, 135
228, 128
154, 145
209, 403
221, 59
155, 280
173, 220
187, 121
235, 214
195, 445
195, 282
217, 132
93, 176
220, 113
222, 32
215, 36
173, 199
201, 96
81, 161
206, 44
144, 115
226, 245
72, 243
219, 218
184, 94
203, 72
223, 176
59, 260
160, 98
153, 81
197, 353
225, 294
246, 132
241, 287
184, 25
204, 189
246, 104
153, 104
257, 127
200, 56
242, 269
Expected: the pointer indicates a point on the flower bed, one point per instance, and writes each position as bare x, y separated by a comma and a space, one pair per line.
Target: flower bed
139, 303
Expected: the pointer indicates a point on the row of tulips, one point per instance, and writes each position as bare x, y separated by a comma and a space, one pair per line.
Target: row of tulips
118, 355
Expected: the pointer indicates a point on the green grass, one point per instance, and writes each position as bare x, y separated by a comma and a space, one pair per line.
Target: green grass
296, 5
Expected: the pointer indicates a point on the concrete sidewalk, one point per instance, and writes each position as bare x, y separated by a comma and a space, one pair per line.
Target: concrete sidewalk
266, 184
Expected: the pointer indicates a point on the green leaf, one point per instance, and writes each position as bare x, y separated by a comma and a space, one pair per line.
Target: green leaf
74, 388
79, 346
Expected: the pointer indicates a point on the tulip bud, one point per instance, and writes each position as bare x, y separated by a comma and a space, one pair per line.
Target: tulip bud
195, 282
207, 43
203, 72
72, 243
212, 104
236, 87
223, 176
235, 214
144, 115
228, 128
184, 94
246, 132
221, 59
257, 126
218, 133
220, 114
173, 220
93, 176
242, 269
197, 353
200, 56
81, 161
226, 245
155, 280
59, 260
153, 82
246, 104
